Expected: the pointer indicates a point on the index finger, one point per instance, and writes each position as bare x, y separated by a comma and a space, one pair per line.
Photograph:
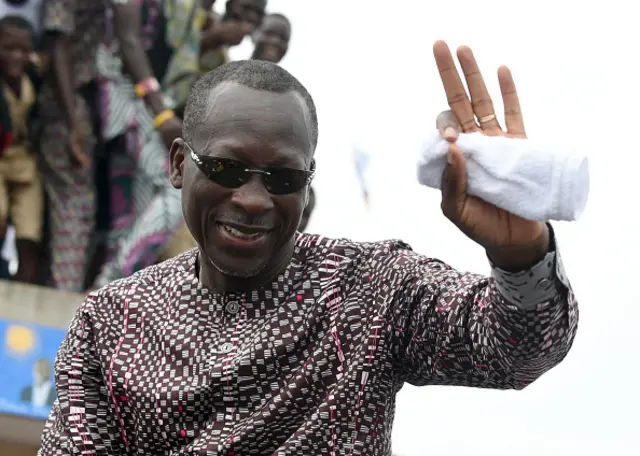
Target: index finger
453, 87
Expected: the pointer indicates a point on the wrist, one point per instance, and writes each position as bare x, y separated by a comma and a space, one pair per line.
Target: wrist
148, 89
163, 117
521, 258
147, 86
155, 102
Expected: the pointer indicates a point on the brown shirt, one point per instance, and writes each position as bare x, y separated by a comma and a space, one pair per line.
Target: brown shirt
155, 364
17, 163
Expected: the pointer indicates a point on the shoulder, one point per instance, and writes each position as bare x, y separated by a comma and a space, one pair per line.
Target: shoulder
318, 244
388, 264
144, 290
387, 254
388, 270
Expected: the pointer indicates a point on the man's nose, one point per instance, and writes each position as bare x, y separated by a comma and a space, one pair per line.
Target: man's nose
253, 197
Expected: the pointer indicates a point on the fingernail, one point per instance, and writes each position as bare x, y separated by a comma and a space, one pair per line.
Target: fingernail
450, 132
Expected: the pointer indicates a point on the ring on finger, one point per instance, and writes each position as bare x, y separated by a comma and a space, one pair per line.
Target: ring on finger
486, 119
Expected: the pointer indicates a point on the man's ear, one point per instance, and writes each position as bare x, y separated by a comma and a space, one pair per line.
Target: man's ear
311, 199
177, 158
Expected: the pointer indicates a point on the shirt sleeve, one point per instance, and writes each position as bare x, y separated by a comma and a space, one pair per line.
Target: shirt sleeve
59, 16
453, 328
81, 420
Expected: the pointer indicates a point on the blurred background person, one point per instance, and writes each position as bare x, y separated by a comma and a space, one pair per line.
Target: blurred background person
21, 197
42, 392
271, 39
147, 63
69, 135
239, 20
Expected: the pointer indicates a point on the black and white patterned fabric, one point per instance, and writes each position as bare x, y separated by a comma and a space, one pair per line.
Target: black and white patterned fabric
155, 364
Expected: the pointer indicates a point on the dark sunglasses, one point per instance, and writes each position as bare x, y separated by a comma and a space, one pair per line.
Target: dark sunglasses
230, 173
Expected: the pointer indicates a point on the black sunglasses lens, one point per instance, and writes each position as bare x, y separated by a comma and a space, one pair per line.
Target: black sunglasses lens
226, 173
233, 174
283, 181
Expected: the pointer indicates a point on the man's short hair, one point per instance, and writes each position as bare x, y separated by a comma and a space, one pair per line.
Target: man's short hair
280, 16
255, 74
15, 21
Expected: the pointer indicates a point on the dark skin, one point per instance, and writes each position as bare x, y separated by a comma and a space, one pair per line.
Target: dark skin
62, 67
511, 242
15, 48
261, 129
241, 18
272, 39
127, 20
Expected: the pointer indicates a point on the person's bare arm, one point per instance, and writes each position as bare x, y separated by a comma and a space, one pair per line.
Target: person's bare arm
59, 26
63, 72
211, 37
127, 20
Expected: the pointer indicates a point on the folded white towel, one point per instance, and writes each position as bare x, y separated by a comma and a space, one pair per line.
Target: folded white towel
534, 181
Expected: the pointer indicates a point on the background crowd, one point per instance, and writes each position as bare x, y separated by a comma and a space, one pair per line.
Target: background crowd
92, 96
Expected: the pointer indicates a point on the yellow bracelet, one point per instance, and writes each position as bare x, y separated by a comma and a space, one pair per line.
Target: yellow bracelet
147, 86
162, 117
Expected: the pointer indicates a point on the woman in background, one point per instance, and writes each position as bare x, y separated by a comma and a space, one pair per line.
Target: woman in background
157, 42
67, 113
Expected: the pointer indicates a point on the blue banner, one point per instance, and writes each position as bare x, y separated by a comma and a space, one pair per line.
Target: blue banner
27, 353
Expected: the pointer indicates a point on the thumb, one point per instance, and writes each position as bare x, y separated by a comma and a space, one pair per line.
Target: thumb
448, 126
454, 183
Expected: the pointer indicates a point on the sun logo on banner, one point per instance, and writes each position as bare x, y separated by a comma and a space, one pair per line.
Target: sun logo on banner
20, 340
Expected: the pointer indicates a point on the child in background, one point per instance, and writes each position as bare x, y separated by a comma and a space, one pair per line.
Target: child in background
272, 38
21, 196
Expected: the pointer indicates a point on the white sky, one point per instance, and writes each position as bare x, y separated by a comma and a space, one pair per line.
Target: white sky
369, 66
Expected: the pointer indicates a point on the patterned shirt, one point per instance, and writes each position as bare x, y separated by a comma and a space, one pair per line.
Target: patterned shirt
155, 364
83, 21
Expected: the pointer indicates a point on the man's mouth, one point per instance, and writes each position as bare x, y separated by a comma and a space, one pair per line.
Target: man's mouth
243, 232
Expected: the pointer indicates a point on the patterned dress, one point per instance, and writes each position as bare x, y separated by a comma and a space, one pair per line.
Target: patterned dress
70, 188
310, 364
145, 208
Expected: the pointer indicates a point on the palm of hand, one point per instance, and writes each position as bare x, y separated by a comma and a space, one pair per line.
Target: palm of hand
483, 222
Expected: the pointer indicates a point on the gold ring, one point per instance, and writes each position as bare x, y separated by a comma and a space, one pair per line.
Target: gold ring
486, 119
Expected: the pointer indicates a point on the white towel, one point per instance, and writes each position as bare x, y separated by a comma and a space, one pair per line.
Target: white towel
535, 181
